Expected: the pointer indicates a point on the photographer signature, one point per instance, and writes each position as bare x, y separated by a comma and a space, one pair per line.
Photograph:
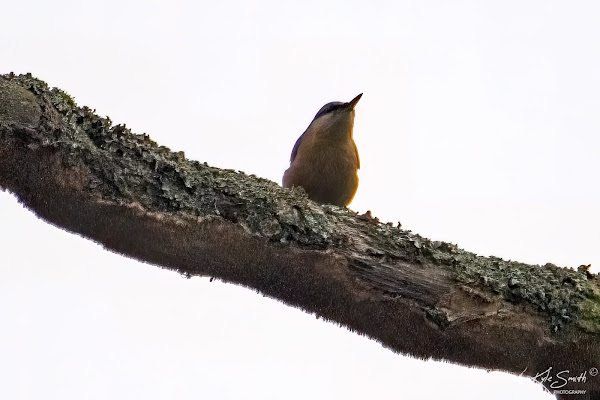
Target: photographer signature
560, 379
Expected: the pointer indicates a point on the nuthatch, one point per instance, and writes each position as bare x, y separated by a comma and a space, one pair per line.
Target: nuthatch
325, 159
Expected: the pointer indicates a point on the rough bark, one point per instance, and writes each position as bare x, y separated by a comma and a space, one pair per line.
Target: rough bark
419, 297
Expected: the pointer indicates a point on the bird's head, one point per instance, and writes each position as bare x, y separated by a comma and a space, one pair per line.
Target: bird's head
338, 107
337, 116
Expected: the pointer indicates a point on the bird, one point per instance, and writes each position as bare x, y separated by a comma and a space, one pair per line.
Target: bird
324, 160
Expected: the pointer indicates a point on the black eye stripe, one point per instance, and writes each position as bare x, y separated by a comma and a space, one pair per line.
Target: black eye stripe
329, 107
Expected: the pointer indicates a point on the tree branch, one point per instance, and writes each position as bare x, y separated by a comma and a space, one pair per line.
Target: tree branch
416, 296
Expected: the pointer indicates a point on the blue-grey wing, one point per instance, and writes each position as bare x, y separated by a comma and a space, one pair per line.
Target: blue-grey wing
295, 149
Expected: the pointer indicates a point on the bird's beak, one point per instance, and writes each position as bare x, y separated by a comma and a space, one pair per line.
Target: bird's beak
355, 100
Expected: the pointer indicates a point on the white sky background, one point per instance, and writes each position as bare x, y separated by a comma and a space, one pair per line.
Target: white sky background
479, 125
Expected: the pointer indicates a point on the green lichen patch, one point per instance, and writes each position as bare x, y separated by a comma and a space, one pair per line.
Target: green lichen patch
588, 317
62, 100
556, 292
563, 295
